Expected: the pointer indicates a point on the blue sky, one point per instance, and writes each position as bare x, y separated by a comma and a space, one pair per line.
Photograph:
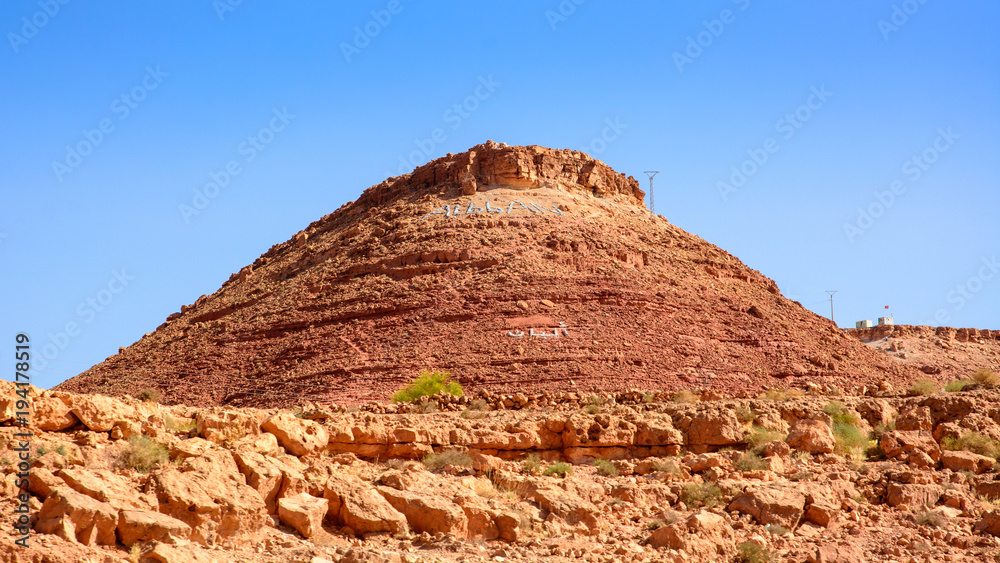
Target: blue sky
849, 145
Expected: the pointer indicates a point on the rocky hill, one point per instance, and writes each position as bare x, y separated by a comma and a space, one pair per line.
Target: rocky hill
555, 477
519, 268
943, 352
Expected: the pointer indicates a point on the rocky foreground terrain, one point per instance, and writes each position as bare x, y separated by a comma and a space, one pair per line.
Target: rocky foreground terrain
508, 266
814, 475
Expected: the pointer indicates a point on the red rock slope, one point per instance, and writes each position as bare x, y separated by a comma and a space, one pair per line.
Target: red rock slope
515, 268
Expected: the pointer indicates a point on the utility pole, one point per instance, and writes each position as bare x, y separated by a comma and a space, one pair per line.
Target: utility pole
651, 173
831, 292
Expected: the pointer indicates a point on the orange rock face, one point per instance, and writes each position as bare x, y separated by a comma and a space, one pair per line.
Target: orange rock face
513, 268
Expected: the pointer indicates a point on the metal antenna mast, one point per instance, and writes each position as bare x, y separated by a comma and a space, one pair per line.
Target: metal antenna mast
831, 292
651, 173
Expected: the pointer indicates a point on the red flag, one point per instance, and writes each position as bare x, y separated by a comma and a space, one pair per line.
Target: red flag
886, 306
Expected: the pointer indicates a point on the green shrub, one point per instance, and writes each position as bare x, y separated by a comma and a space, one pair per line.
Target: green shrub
973, 442
986, 377
760, 436
750, 461
426, 384
749, 552
839, 413
142, 454
924, 387
558, 469
455, 458
153, 395
532, 464
849, 439
957, 385
606, 468
697, 495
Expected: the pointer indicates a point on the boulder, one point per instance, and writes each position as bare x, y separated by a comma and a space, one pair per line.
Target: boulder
967, 461
303, 512
898, 444
106, 486
140, 526
52, 415
573, 509
703, 533
182, 553
702, 462
76, 517
772, 505
811, 436
97, 412
912, 495
717, 428
509, 525
917, 418
298, 436
225, 425
989, 523
837, 553
358, 505
219, 508
428, 513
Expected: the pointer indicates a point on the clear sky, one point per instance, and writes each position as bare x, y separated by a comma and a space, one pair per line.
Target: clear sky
151, 149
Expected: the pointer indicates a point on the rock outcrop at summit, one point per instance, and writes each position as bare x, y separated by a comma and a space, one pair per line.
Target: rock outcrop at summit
513, 268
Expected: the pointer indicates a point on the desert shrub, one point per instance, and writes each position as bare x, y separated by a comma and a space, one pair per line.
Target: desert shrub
649, 397
438, 461
923, 386
593, 405
745, 414
485, 489
685, 396
973, 442
153, 395
424, 407
930, 518
558, 469
986, 377
697, 495
749, 552
777, 529
760, 436
426, 384
174, 425
839, 413
142, 454
532, 464
473, 414
849, 439
957, 385
781, 394
750, 461
881, 429
606, 468
669, 466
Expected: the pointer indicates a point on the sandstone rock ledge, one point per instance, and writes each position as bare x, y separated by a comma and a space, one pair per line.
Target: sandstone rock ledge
674, 483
